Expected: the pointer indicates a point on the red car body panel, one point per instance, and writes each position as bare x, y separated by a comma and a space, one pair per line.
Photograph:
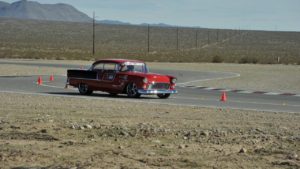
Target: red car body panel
117, 81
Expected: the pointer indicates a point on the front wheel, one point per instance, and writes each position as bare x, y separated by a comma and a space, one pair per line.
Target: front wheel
84, 89
132, 91
164, 96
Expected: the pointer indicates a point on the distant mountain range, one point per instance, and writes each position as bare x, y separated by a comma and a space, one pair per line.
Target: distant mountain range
158, 24
33, 10
24, 9
113, 22
3, 4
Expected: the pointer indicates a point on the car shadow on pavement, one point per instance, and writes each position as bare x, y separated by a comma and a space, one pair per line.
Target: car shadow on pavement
103, 95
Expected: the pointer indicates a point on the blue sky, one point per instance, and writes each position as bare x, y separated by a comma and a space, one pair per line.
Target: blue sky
233, 14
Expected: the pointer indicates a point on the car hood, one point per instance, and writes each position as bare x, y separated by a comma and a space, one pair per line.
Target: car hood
153, 77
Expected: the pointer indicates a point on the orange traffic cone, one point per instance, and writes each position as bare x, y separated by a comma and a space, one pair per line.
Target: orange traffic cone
223, 97
51, 78
40, 80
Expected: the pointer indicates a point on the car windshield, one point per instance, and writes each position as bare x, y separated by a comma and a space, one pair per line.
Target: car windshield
134, 67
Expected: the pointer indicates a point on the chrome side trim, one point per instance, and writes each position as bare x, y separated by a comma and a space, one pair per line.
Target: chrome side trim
142, 91
84, 79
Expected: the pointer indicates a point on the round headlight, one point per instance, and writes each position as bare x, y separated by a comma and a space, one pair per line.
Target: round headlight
145, 80
174, 80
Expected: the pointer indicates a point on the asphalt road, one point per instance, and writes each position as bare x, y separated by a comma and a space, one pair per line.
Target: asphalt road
186, 96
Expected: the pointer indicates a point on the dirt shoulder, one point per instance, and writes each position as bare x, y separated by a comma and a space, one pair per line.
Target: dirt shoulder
57, 132
274, 78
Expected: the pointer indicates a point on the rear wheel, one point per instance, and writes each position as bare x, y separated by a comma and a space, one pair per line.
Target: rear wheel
164, 96
84, 89
132, 90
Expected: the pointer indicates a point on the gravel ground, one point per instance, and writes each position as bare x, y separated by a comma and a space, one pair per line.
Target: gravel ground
57, 132
275, 78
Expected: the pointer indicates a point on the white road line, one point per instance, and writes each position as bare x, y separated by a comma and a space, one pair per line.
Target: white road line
57, 87
230, 90
220, 78
272, 104
226, 90
199, 86
61, 87
213, 100
43, 82
192, 87
236, 101
272, 93
139, 101
209, 88
245, 92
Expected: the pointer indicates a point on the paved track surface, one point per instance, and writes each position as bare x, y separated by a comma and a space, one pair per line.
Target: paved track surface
187, 96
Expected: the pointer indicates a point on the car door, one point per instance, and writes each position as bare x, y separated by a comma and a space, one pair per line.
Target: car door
97, 83
108, 80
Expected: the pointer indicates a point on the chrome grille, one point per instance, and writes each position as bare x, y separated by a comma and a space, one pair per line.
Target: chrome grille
160, 86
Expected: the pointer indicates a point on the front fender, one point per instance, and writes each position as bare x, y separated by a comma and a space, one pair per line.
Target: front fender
138, 80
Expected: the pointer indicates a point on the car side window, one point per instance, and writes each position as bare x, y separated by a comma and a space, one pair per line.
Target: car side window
110, 66
133, 68
99, 66
127, 68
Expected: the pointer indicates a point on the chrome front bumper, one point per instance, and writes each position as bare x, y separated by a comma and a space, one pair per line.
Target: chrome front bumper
142, 91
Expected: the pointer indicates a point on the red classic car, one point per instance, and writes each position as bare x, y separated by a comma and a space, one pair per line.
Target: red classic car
120, 76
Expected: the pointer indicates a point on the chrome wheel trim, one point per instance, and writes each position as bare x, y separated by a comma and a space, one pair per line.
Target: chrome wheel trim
83, 88
132, 90
164, 95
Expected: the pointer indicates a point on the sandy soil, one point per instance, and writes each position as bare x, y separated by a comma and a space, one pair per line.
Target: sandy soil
56, 132
276, 78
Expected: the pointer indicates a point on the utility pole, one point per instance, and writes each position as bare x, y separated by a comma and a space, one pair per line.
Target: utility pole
177, 38
94, 24
208, 40
148, 38
196, 38
217, 35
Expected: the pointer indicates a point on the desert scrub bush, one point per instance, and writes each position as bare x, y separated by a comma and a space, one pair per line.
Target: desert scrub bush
65, 40
217, 59
248, 59
254, 60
